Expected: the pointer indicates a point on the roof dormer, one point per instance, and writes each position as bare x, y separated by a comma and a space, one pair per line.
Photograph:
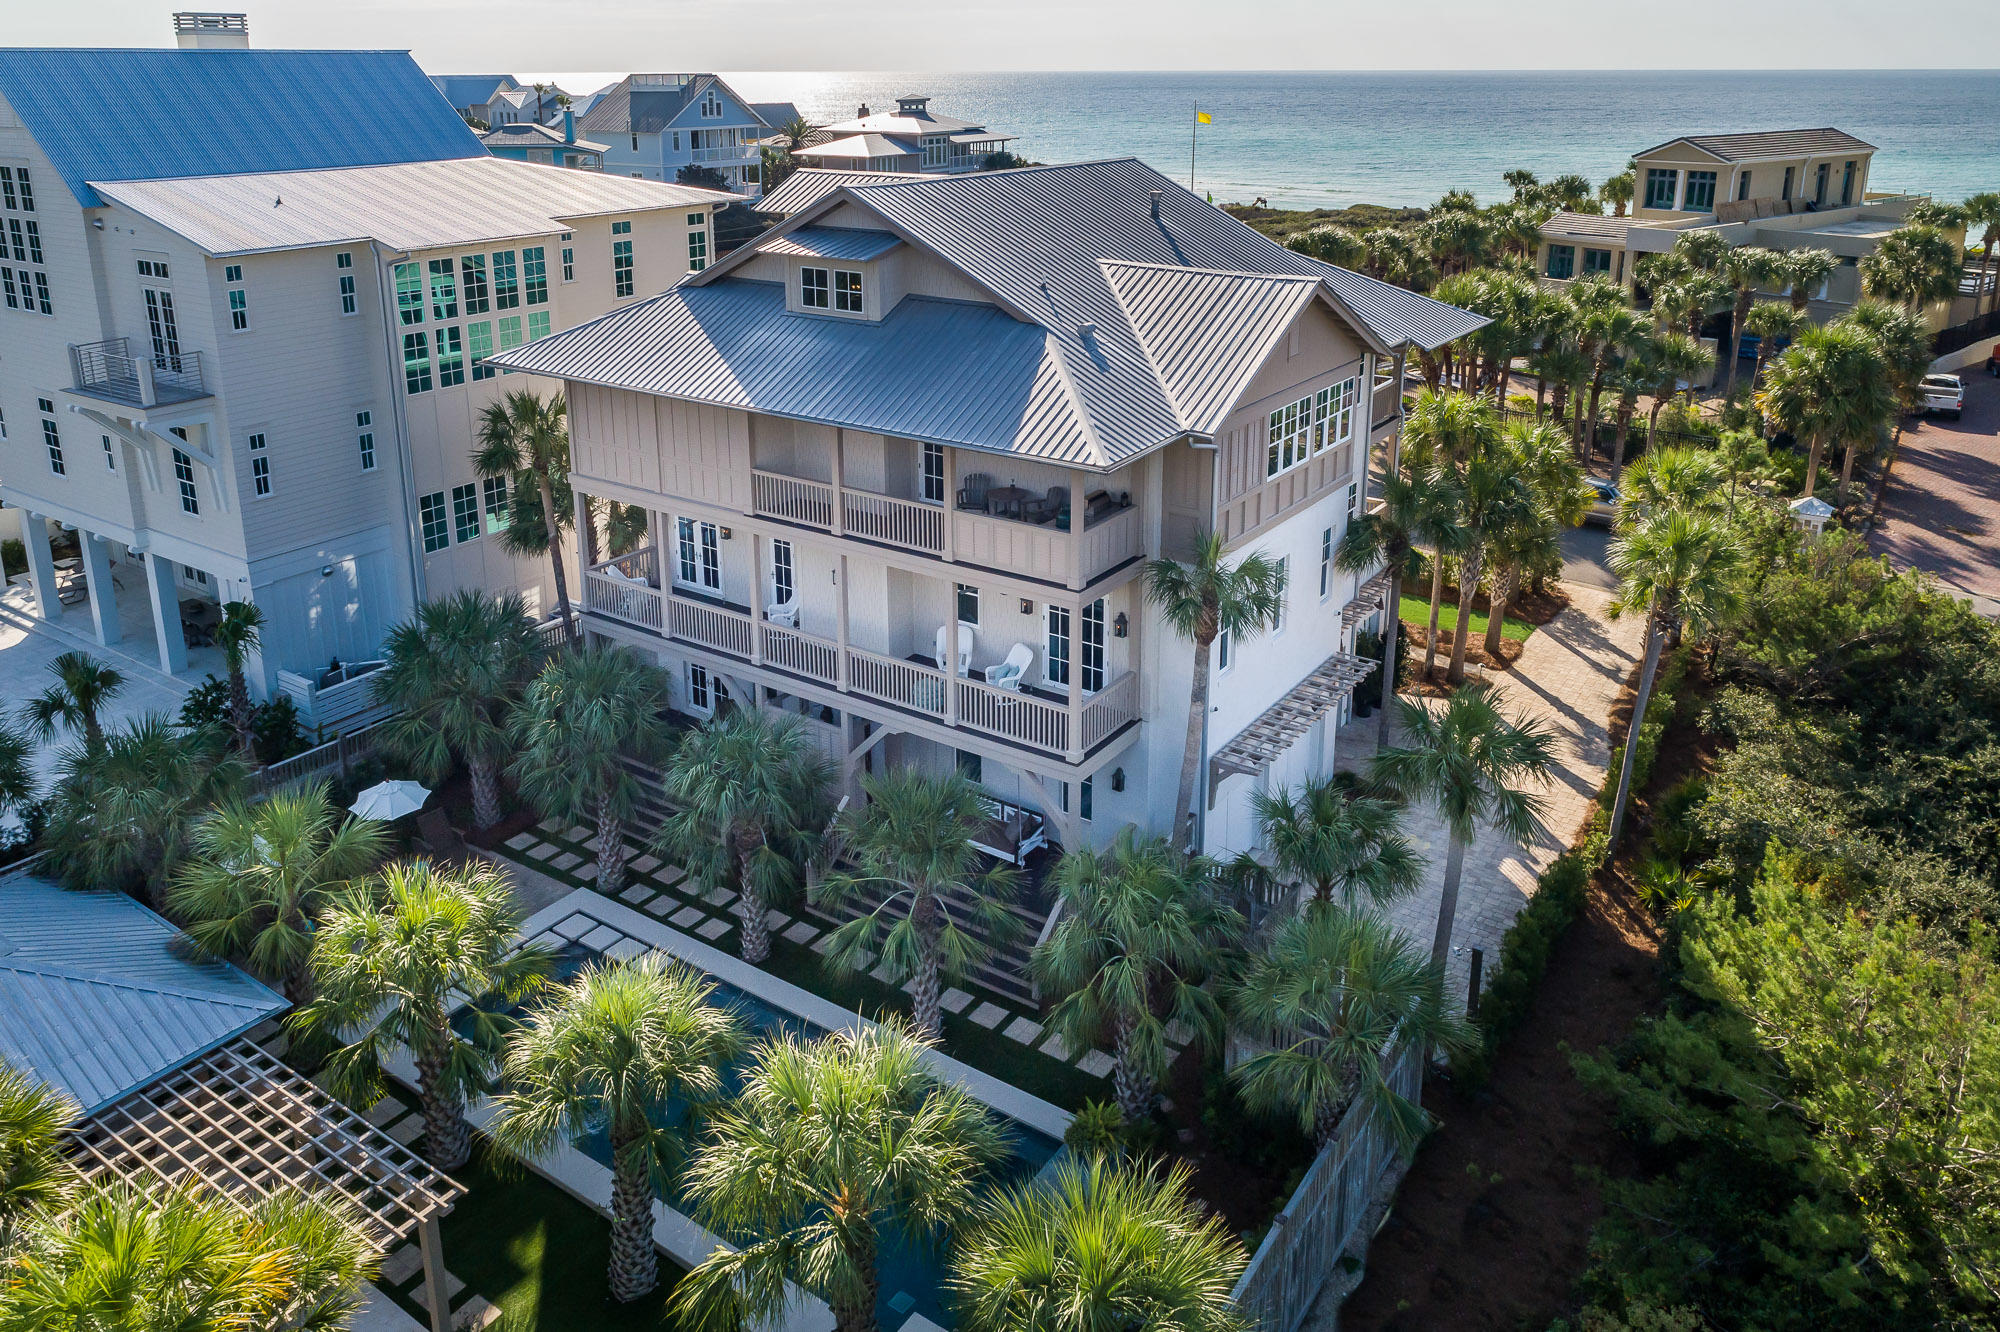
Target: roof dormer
835, 270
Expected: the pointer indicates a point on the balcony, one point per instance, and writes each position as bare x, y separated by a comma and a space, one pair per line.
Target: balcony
728, 153
1036, 544
627, 590
109, 370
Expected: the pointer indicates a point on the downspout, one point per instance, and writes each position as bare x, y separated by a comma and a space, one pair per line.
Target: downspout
398, 416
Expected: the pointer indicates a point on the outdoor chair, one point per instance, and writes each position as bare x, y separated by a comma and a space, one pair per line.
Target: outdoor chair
1007, 675
1049, 506
785, 613
972, 495
967, 635
439, 838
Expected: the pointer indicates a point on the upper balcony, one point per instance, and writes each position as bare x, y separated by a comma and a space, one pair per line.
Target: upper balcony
108, 370
1005, 528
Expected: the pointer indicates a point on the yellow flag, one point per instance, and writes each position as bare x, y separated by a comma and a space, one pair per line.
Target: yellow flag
1203, 118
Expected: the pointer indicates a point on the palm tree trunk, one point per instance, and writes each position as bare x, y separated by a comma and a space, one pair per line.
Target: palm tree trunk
1596, 397
93, 731
1183, 829
1130, 1087
1392, 628
1742, 312
610, 847
1541, 396
485, 792
554, 530
925, 1002
1846, 474
1626, 407
859, 1316
1437, 597
1469, 570
1454, 866
447, 1137
1646, 673
1653, 421
1496, 606
635, 1263
239, 709
1812, 463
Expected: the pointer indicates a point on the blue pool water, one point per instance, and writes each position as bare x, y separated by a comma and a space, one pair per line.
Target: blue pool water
912, 1273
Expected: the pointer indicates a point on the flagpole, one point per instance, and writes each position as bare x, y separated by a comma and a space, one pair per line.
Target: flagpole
1194, 129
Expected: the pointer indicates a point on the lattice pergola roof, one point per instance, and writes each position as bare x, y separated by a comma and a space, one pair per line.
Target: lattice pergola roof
1263, 741
1368, 599
242, 1123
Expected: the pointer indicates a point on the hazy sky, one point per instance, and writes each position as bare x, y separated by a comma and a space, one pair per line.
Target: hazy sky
520, 36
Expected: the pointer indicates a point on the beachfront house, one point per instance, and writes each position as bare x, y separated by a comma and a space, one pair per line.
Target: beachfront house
248, 364
654, 126
911, 138
904, 458
548, 145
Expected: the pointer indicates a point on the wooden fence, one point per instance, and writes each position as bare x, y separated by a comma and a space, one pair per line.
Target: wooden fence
331, 759
1304, 1245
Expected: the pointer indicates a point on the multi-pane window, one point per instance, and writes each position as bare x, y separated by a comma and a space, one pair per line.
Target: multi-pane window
700, 554
7, 286
698, 696
1819, 183
1562, 261
450, 358
933, 476
538, 324
436, 528
568, 257
783, 581
444, 290
52, 437
1333, 414
1661, 182
711, 106
496, 504
1289, 437
25, 289
479, 341
110, 454
506, 283
472, 282
343, 264
697, 242
1084, 802
1056, 666
410, 293
1596, 261
32, 230
535, 275
1325, 562
260, 465
1225, 643
364, 425
1700, 197
813, 288
416, 363
8, 197
465, 512
968, 603
239, 300
27, 190
510, 332
1284, 595
42, 293
847, 290
1091, 658
184, 479
621, 259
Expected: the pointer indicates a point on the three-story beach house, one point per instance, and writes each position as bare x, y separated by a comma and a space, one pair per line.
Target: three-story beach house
911, 138
905, 458
655, 125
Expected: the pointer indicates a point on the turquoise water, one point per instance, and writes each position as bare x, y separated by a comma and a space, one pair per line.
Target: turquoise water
1316, 139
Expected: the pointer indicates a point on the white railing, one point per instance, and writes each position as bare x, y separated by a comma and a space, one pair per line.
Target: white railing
622, 589
792, 499
801, 653
1013, 715
904, 683
1110, 541
894, 522
336, 707
1110, 708
735, 152
711, 626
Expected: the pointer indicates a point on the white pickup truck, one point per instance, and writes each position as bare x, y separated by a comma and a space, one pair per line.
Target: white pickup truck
1944, 395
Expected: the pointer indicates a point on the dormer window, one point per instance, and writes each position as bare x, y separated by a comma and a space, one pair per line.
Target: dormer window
711, 106
847, 290
813, 285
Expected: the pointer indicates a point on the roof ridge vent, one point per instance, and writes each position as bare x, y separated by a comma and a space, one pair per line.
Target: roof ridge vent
1086, 329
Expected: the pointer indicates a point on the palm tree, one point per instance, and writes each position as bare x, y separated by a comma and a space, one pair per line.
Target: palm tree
1748, 269
1493, 497
126, 1259
578, 722
1395, 256
259, 876
1617, 191
1140, 933
1678, 476
911, 844
1914, 265
1328, 843
1458, 239
1098, 1246
1331, 997
829, 1143
1467, 758
1332, 245
237, 636
1411, 513
1803, 272
1831, 384
1702, 249
1686, 303
1983, 211
122, 814
1676, 566
35, 1176
1904, 340
1541, 457
611, 1051
75, 701
1772, 322
1613, 331
751, 794
525, 432
1673, 359
391, 962
17, 776
1203, 599
454, 669
1633, 377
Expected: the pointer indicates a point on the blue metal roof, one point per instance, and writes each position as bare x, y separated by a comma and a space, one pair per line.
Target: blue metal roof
100, 997
469, 90
156, 114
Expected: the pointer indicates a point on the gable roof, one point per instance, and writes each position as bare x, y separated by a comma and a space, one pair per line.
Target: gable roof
212, 112
469, 90
776, 114
633, 105
1761, 144
527, 134
808, 185
100, 997
410, 206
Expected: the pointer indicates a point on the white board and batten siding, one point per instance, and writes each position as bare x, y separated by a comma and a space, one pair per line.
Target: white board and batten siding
660, 446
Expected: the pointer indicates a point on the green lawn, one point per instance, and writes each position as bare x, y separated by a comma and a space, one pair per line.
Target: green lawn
1417, 610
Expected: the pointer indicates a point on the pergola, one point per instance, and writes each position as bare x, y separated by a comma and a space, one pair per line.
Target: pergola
1279, 726
238, 1121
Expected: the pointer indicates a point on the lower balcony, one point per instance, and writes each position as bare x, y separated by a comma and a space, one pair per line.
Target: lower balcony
1039, 717
109, 370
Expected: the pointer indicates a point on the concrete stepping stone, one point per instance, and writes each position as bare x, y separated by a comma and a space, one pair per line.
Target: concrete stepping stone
383, 1111
476, 1315
1022, 1030
567, 861
542, 850
988, 1015
521, 841
954, 1000
1056, 1049
587, 871
625, 950
715, 929
578, 833
638, 893
1097, 1064
688, 917
601, 938
646, 864
407, 1129
801, 933
422, 1294
575, 927
401, 1265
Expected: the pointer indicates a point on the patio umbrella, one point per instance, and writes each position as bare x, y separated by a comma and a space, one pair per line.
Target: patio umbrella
390, 800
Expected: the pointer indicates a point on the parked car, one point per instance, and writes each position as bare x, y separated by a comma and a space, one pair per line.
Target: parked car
1603, 502
1944, 395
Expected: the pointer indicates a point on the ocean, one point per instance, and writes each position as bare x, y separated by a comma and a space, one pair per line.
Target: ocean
1310, 140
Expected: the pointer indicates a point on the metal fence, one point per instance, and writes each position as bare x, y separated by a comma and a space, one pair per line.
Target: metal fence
1305, 1243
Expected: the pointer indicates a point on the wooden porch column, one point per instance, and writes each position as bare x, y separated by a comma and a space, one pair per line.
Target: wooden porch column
839, 482
756, 599
431, 1241
1075, 750
1076, 506
951, 512
951, 655
840, 622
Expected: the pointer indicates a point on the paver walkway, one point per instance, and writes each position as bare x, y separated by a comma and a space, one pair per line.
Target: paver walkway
1568, 677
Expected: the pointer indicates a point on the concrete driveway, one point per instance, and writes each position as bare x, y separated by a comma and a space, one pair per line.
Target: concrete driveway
1941, 513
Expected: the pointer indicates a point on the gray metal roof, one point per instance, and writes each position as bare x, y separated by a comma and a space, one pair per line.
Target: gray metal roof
99, 996
1764, 144
806, 187
862, 146
412, 206
902, 122
852, 243
527, 134
629, 107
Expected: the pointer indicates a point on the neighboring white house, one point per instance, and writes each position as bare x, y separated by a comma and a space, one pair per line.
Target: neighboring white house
654, 125
904, 458
910, 138
242, 368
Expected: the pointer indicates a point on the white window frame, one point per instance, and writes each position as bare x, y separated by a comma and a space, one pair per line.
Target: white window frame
1225, 655
1056, 665
110, 454
1288, 438
434, 507
499, 505
465, 513
847, 292
260, 465
964, 595
815, 287
701, 689
784, 572
184, 483
698, 554
930, 473
1325, 562
364, 438
1284, 595
350, 299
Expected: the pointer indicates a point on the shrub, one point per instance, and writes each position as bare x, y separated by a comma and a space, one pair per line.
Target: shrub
275, 733
1097, 1130
14, 556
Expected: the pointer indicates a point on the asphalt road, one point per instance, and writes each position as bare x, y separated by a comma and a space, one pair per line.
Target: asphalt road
1586, 560
1942, 510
